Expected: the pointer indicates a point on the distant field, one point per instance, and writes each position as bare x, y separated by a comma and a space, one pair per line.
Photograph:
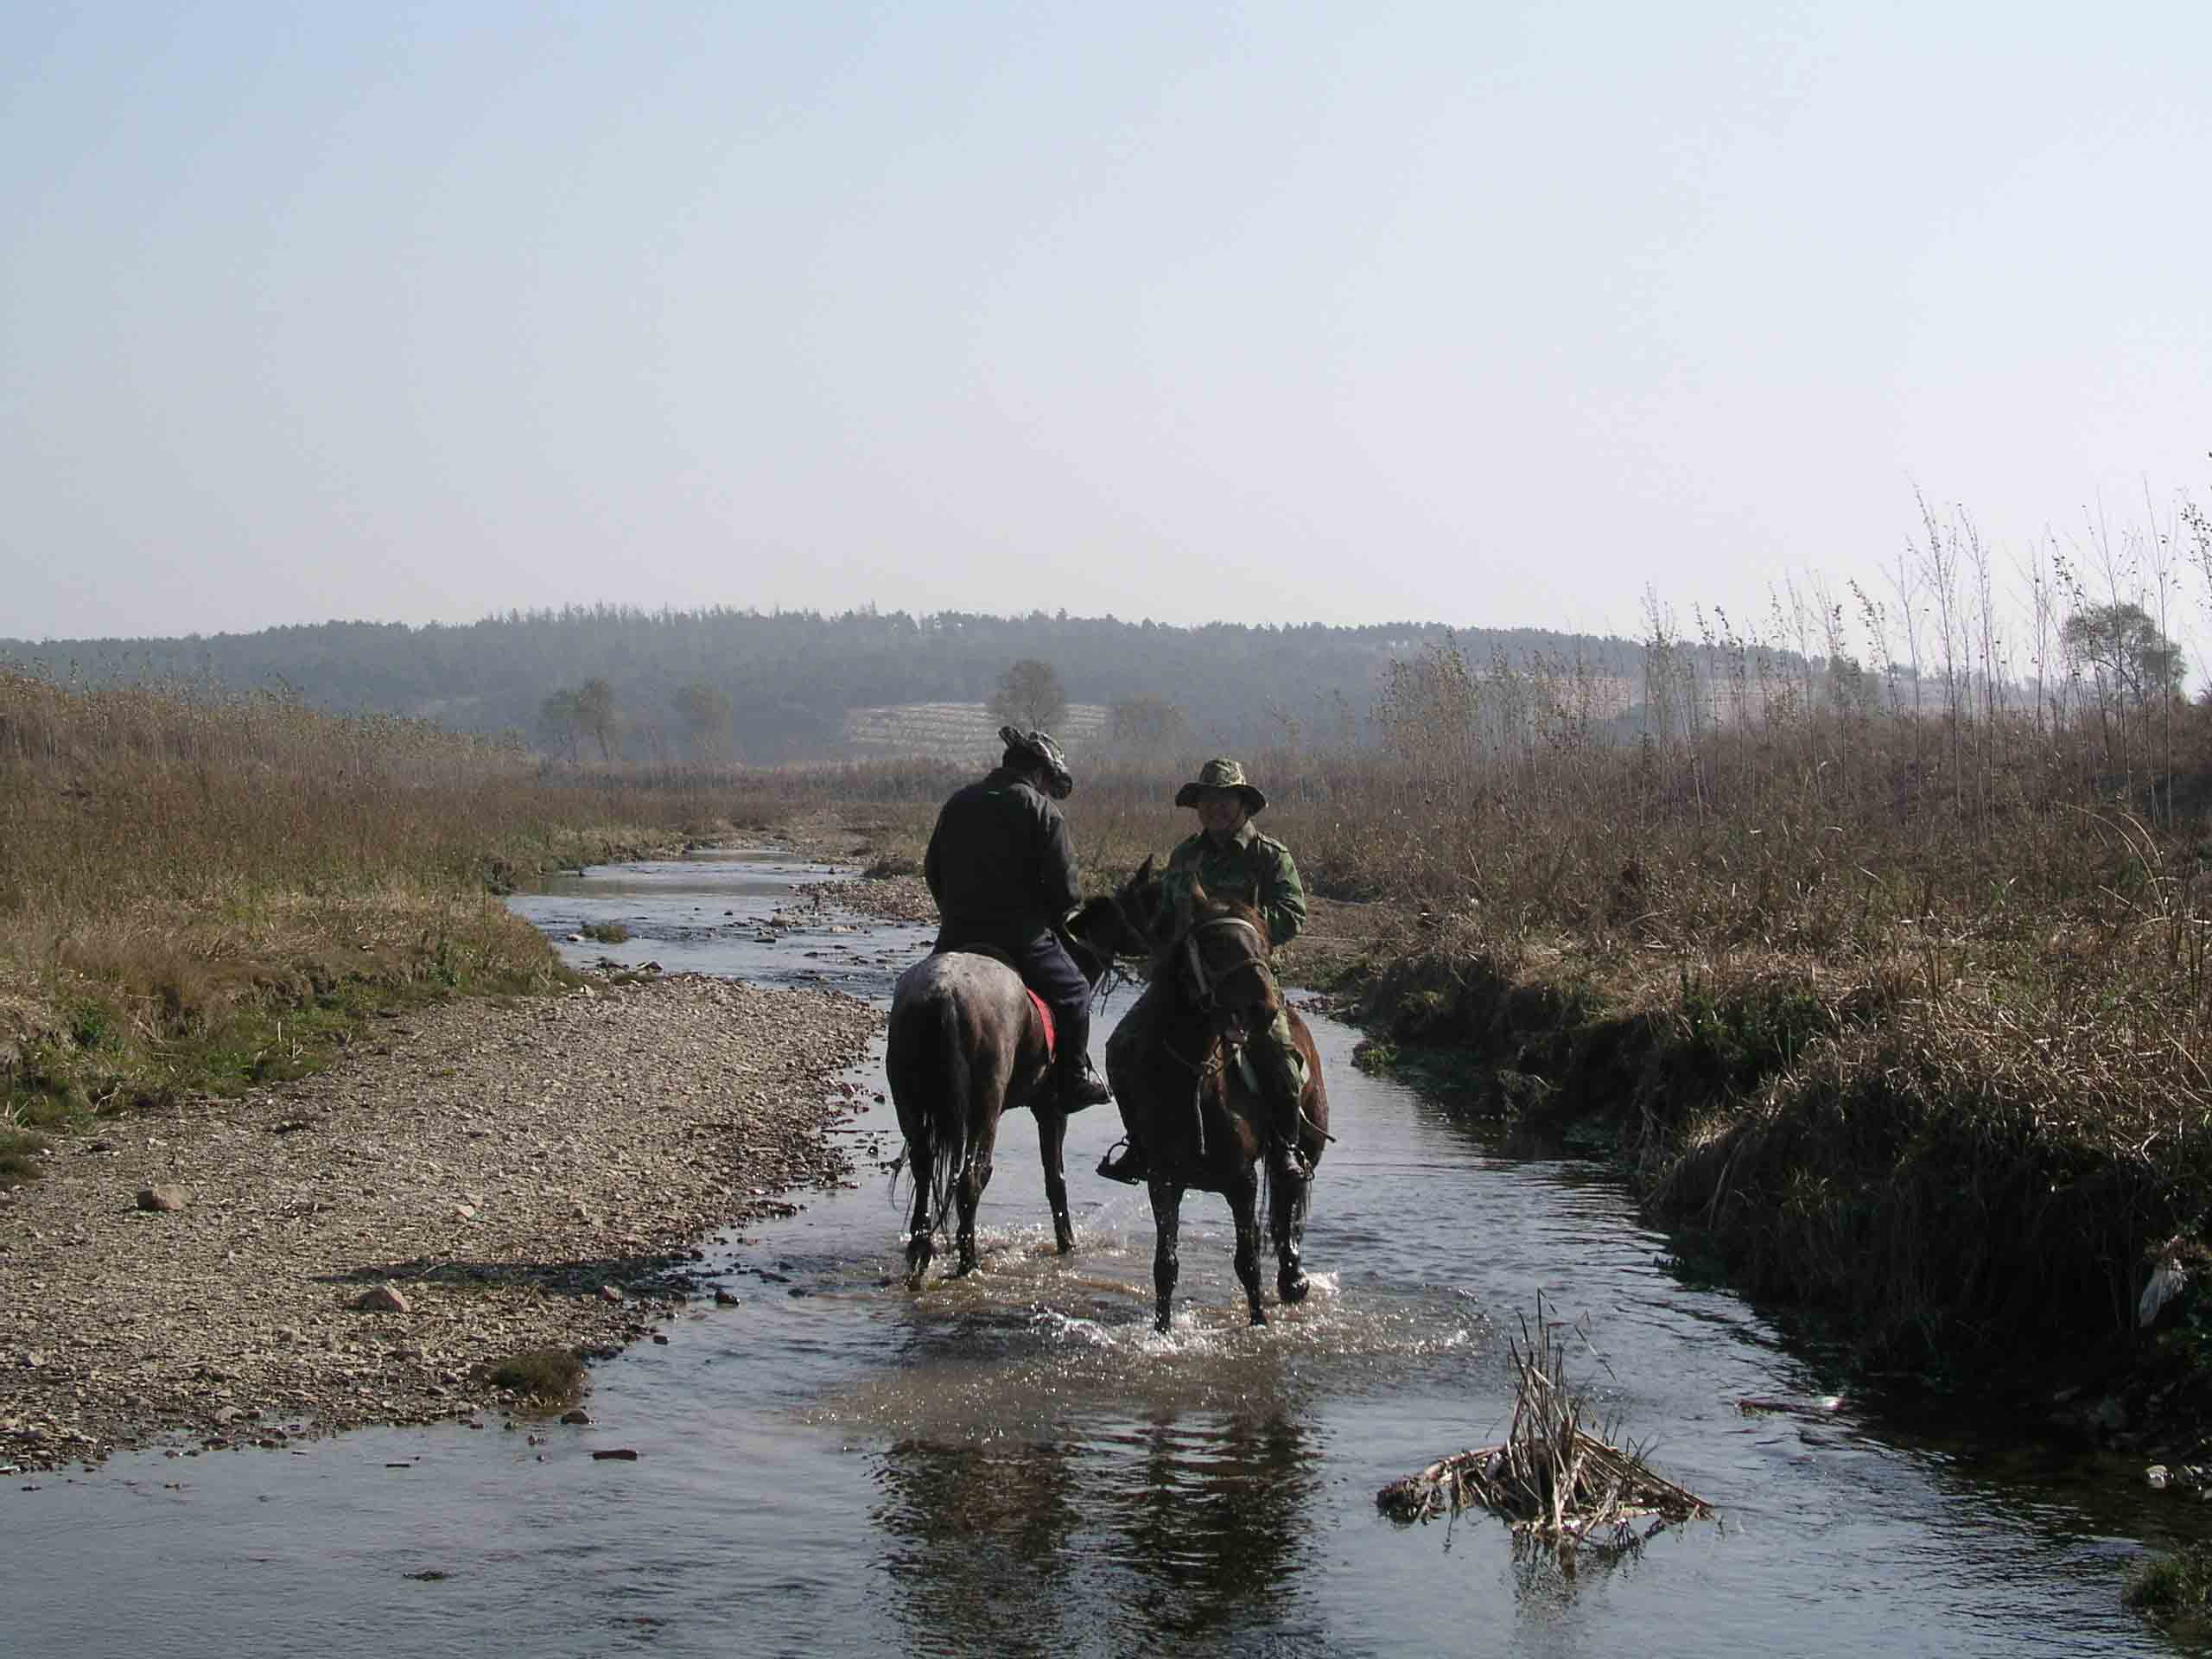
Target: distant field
956, 731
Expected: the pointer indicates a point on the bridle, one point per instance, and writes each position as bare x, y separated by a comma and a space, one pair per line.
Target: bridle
1207, 983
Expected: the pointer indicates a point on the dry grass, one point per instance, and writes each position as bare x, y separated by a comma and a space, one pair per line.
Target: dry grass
200, 891
1551, 1479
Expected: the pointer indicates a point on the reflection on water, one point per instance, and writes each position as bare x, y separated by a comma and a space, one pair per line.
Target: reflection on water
1191, 1527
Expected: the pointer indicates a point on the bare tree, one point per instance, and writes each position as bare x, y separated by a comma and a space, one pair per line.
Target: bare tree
1029, 696
595, 713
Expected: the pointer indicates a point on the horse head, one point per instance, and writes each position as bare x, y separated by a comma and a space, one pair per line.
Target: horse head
1217, 948
1120, 924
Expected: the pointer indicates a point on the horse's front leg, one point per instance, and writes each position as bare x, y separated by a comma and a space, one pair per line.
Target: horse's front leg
969, 1192
1051, 1140
1286, 1221
1167, 1257
1244, 1209
920, 1245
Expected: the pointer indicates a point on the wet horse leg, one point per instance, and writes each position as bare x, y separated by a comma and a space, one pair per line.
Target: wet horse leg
967, 1190
1166, 1223
919, 1242
1286, 1221
1051, 1140
1244, 1208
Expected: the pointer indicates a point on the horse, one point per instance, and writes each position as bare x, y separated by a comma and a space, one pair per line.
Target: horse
1174, 1066
967, 1045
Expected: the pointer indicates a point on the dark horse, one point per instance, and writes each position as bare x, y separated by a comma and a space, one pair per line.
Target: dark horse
1173, 1063
966, 1046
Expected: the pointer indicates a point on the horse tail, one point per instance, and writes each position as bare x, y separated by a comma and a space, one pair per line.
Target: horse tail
941, 1126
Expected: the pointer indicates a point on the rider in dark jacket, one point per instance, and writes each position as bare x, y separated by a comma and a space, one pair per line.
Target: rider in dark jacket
1002, 872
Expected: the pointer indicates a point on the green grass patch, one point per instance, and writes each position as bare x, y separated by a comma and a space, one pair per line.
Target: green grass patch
19, 1150
606, 932
2174, 1591
550, 1376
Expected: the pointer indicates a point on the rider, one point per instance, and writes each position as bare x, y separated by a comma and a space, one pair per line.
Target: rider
1002, 872
1232, 859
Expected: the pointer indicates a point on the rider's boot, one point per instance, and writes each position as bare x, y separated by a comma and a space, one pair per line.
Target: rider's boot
1127, 1162
1079, 1086
1281, 1084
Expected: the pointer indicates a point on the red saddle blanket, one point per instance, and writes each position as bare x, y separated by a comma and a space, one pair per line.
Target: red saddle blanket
1044, 1016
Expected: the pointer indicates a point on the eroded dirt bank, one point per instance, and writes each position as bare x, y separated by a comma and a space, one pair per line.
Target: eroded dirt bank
525, 1174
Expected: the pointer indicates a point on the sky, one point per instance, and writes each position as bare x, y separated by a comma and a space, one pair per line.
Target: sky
1495, 314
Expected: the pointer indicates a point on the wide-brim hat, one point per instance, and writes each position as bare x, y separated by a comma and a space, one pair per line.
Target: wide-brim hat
1040, 747
1221, 772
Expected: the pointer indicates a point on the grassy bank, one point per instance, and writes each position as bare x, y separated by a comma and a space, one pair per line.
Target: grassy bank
198, 893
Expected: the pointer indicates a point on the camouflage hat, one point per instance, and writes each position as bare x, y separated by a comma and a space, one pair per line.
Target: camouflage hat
1220, 773
1040, 747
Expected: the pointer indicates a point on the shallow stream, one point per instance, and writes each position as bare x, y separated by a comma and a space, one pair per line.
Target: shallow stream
1017, 1464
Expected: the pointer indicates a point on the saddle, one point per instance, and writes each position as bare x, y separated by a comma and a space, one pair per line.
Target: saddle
1044, 1008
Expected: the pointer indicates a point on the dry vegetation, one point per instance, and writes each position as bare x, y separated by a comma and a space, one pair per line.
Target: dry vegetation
1891, 964
200, 892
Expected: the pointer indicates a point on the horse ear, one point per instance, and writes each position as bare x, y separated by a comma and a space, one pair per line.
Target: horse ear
1144, 871
1189, 902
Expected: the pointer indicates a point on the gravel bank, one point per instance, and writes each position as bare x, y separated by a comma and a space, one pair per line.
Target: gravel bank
526, 1174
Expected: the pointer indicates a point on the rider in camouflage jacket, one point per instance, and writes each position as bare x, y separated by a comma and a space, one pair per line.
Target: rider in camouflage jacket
1230, 859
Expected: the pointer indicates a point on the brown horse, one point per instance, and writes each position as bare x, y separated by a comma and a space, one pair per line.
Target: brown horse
1173, 1064
965, 1046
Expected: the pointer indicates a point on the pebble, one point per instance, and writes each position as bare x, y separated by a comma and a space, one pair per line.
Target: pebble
529, 1114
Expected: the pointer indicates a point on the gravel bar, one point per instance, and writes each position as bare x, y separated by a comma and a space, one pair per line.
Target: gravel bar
524, 1174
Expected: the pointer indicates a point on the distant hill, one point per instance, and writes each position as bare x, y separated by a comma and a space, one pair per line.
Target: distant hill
802, 685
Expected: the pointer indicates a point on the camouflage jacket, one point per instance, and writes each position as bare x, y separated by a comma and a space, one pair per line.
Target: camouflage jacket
1254, 869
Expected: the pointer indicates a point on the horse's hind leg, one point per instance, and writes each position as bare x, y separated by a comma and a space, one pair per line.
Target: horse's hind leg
968, 1192
920, 1243
1286, 1221
1244, 1208
1051, 1141
1166, 1224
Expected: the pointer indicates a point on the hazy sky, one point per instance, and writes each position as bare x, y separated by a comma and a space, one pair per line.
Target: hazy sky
1488, 314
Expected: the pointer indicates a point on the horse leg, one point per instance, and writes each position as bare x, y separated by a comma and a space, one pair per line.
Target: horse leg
920, 1244
1244, 1208
1166, 1223
1051, 1139
969, 1192
1286, 1221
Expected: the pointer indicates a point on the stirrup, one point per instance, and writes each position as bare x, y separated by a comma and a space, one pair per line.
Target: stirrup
1288, 1161
1124, 1163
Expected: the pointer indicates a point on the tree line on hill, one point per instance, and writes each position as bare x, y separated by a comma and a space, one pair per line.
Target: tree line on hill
605, 683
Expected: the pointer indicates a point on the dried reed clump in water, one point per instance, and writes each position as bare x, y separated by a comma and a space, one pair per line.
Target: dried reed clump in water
1551, 1480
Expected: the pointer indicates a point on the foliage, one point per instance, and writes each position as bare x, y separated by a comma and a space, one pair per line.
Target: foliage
1148, 725
1029, 694
790, 676
2126, 657
706, 712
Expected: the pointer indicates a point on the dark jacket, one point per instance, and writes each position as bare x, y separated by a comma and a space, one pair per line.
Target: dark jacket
1000, 864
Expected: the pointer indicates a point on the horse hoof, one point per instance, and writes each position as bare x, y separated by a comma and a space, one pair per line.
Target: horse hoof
1259, 1316
1161, 1324
1293, 1290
